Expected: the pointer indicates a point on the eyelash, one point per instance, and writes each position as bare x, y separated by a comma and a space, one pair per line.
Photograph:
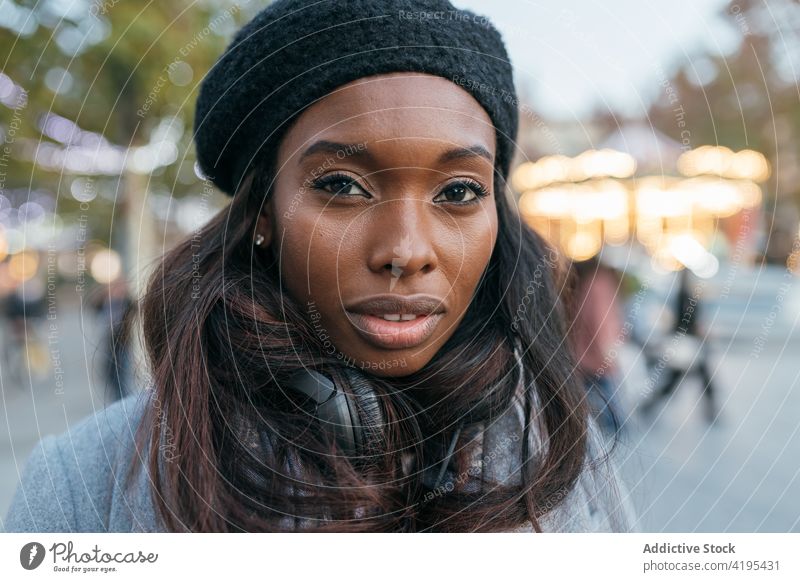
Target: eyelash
479, 189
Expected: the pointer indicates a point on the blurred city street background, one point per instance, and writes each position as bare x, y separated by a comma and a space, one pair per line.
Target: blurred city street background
657, 151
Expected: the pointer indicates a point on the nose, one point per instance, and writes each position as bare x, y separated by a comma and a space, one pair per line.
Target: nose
402, 239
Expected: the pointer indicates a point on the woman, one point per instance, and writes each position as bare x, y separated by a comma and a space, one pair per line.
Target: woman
368, 338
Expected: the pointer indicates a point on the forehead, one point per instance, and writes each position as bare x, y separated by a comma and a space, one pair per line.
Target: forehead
392, 109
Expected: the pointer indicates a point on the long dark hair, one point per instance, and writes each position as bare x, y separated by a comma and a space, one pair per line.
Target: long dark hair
227, 450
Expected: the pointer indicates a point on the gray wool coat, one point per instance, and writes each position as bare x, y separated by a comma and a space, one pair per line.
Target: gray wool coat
73, 482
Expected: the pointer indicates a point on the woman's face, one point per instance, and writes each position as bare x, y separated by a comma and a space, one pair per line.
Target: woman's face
383, 216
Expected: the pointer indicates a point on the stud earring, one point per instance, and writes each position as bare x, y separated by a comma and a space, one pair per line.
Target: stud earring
259, 239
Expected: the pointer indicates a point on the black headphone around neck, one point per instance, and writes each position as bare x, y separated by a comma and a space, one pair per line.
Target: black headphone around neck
355, 422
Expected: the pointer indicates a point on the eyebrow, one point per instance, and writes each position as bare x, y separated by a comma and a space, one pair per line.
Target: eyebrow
465, 152
358, 150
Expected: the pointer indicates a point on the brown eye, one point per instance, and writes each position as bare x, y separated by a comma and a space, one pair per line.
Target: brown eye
340, 185
464, 192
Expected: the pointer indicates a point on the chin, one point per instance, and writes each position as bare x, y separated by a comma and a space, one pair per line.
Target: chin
389, 363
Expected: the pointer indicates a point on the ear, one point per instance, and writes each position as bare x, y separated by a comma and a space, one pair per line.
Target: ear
265, 224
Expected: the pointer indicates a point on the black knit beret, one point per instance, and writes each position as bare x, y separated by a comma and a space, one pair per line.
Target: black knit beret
296, 51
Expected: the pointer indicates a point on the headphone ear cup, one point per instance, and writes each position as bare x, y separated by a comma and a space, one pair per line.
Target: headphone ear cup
367, 414
321, 395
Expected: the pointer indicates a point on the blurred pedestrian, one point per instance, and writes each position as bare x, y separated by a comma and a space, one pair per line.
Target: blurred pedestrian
688, 353
597, 326
111, 306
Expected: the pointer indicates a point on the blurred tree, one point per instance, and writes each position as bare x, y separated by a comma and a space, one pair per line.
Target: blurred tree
97, 103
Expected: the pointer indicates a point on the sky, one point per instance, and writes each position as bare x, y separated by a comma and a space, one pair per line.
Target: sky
571, 56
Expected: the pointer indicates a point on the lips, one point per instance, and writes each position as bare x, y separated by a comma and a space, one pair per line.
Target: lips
395, 335
403, 304
385, 320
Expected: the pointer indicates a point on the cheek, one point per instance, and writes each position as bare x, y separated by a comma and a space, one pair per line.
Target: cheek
314, 256
468, 251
